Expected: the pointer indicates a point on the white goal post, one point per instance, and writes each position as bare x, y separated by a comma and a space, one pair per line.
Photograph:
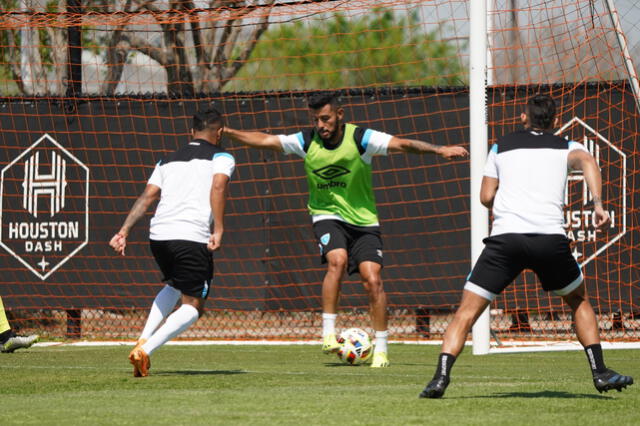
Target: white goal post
478, 131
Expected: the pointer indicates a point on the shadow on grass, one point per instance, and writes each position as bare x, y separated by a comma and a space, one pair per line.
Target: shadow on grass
545, 394
341, 364
199, 373
368, 364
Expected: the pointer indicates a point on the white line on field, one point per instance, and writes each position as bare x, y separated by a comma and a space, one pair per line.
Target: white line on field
506, 347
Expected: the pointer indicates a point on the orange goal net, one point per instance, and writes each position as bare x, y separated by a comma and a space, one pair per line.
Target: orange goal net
94, 93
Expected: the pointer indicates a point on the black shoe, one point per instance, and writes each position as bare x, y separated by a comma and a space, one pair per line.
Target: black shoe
609, 379
435, 388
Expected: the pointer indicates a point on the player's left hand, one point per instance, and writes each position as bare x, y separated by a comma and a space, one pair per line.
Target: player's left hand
215, 240
602, 217
450, 152
118, 243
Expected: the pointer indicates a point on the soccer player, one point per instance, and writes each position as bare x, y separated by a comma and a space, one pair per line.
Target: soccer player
524, 182
192, 186
337, 160
9, 340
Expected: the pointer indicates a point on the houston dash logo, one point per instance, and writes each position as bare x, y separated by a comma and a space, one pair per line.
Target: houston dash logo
588, 241
37, 184
44, 206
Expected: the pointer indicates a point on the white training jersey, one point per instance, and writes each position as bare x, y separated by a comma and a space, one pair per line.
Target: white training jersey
532, 169
185, 178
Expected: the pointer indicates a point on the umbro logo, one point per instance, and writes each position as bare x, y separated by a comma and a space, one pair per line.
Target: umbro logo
331, 172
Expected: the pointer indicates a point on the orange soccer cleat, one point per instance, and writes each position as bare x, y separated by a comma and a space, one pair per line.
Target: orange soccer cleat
140, 361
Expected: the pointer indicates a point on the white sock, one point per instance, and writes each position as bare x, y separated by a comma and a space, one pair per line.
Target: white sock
162, 306
328, 324
380, 342
177, 322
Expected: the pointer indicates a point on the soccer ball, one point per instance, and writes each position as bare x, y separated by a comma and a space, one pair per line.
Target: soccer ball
356, 347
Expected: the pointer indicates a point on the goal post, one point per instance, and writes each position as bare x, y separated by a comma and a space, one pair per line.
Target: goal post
478, 141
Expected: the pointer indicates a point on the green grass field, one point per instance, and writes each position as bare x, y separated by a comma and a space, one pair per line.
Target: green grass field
299, 385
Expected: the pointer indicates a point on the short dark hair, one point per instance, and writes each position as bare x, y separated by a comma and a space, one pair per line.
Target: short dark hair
541, 110
318, 100
207, 118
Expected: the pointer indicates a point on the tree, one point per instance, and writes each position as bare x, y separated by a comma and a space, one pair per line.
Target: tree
200, 49
33, 58
376, 49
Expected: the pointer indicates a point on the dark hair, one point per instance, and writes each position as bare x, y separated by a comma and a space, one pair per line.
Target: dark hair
318, 100
207, 118
541, 110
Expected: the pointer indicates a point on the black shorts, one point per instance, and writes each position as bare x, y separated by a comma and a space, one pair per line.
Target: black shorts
185, 265
363, 243
505, 256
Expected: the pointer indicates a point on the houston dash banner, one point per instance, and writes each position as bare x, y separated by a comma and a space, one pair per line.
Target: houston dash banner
45, 206
68, 181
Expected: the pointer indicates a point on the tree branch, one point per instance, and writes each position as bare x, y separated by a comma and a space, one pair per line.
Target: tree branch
14, 60
59, 52
117, 51
232, 69
161, 56
197, 38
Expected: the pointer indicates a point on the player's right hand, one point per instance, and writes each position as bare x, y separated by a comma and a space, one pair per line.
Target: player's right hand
215, 240
118, 243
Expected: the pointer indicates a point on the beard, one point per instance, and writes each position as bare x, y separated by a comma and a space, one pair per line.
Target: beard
330, 135
327, 138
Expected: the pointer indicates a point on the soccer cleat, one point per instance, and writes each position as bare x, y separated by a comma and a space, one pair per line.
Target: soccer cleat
609, 379
435, 388
139, 343
140, 361
380, 360
330, 344
18, 342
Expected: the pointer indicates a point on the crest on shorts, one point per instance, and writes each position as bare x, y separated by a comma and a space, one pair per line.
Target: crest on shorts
325, 238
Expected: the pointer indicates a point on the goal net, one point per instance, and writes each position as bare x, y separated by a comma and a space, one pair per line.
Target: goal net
94, 95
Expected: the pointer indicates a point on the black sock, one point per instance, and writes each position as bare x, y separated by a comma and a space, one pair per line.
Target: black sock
445, 362
594, 356
5, 335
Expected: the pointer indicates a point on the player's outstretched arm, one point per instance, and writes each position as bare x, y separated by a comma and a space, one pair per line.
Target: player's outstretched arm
119, 241
412, 146
254, 139
218, 200
582, 160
